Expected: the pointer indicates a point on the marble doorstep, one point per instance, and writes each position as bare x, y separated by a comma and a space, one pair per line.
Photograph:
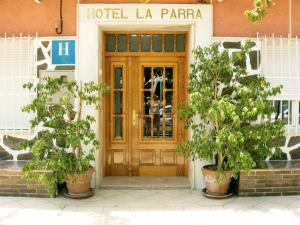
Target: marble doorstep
156, 183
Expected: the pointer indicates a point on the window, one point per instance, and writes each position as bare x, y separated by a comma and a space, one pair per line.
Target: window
283, 111
16, 68
136, 42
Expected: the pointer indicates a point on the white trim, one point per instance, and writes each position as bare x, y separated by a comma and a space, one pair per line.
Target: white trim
88, 57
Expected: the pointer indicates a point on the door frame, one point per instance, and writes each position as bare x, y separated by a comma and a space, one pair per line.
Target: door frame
89, 58
170, 57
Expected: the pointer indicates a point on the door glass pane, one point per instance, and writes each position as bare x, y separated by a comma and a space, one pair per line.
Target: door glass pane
168, 126
118, 78
158, 83
147, 102
134, 43
169, 43
169, 78
157, 43
180, 43
147, 127
118, 102
169, 102
122, 43
158, 102
146, 43
147, 77
110, 43
118, 127
157, 126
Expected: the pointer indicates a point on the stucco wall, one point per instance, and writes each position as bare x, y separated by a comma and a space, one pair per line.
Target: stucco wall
28, 17
229, 21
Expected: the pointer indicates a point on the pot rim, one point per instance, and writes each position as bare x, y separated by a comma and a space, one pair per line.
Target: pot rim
206, 167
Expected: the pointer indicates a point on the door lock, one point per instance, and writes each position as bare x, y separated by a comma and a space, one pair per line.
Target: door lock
135, 117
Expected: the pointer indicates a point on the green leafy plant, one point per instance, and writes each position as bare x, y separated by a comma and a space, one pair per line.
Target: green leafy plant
229, 111
63, 129
259, 11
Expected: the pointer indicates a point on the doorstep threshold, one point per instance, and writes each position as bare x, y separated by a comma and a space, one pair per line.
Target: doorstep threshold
145, 183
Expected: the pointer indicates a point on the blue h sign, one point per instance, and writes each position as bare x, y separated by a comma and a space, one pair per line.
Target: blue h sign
63, 52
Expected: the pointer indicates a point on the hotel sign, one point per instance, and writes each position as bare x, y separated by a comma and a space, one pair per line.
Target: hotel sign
152, 12
63, 52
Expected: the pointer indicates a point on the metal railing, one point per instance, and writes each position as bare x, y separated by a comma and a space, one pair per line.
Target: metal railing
17, 66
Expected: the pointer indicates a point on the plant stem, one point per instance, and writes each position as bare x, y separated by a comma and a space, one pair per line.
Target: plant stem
78, 148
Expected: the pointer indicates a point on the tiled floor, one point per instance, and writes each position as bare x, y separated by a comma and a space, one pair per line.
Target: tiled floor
155, 207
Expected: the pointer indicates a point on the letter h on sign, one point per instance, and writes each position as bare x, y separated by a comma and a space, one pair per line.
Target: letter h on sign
63, 52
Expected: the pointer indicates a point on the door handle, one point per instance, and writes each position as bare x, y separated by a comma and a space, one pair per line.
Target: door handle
135, 117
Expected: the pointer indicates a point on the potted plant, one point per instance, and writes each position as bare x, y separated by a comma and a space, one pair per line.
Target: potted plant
229, 116
66, 142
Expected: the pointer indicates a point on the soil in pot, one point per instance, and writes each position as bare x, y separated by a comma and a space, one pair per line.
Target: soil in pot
79, 184
216, 183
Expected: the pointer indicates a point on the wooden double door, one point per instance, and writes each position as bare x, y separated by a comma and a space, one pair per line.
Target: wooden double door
142, 128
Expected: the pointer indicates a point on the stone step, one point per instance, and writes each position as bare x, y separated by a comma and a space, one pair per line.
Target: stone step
145, 183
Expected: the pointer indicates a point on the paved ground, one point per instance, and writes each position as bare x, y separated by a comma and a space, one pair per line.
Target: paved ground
155, 207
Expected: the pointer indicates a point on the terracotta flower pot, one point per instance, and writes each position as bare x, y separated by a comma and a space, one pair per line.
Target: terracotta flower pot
79, 183
216, 183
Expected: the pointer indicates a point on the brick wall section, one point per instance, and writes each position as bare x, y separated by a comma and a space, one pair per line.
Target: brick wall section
269, 182
12, 184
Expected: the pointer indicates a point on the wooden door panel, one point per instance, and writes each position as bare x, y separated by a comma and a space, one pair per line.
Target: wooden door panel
147, 157
156, 154
116, 110
150, 134
158, 171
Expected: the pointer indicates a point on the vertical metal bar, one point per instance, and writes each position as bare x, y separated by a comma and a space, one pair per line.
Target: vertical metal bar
35, 58
18, 98
260, 119
289, 82
5, 82
273, 57
36, 78
281, 69
258, 53
281, 110
28, 75
266, 55
297, 76
290, 17
281, 56
12, 74
265, 66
